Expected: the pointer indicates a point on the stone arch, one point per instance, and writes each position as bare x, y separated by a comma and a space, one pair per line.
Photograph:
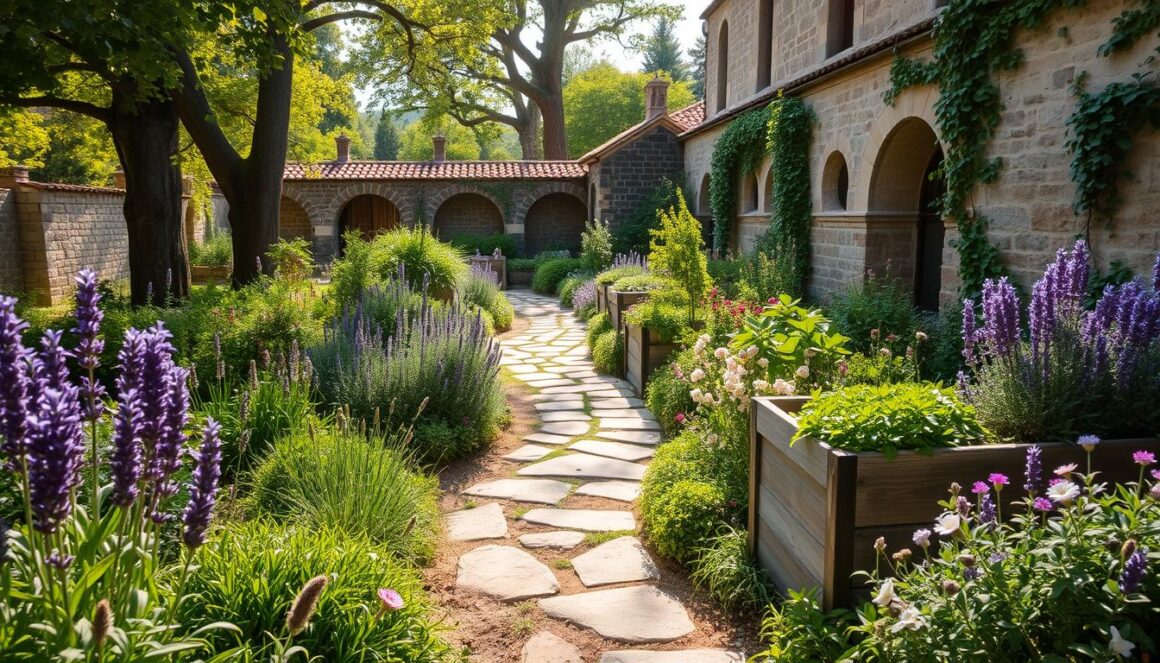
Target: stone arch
722, 80
904, 231
554, 221
916, 103
331, 210
293, 221
704, 202
190, 224
748, 196
467, 213
368, 213
767, 200
835, 183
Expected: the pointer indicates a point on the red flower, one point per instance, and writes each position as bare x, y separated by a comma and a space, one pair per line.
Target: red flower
680, 417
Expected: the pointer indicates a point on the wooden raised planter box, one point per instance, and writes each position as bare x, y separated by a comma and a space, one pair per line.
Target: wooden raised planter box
644, 352
602, 297
207, 274
619, 303
519, 277
815, 511
496, 265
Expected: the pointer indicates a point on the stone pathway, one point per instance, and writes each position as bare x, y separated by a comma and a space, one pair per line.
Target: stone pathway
594, 441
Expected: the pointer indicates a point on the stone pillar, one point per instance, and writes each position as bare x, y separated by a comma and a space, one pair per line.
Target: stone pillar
13, 175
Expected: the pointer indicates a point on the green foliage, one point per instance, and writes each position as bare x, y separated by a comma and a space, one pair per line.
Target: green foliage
633, 233
662, 51
292, 258
415, 142
422, 257
1131, 26
790, 337
608, 353
1102, 130
602, 101
551, 273
726, 571
677, 252
342, 480
521, 264
725, 274
252, 572
790, 132
597, 326
877, 303
762, 278
667, 395
217, 251
596, 245
798, 630
697, 56
479, 288
569, 285
610, 276
739, 151
888, 418
664, 312
487, 244
643, 282
386, 138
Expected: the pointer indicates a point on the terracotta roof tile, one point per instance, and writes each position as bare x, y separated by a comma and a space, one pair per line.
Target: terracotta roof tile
678, 121
430, 170
689, 116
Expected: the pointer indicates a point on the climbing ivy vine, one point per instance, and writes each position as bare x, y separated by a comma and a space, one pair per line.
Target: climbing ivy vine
1132, 25
737, 153
789, 130
973, 40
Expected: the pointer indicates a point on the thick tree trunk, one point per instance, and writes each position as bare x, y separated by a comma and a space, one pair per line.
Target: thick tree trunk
555, 137
529, 135
146, 139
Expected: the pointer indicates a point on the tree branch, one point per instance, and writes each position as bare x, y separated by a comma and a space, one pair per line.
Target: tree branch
196, 113
49, 101
319, 21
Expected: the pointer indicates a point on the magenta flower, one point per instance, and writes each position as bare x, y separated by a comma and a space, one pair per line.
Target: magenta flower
680, 417
391, 600
980, 487
998, 480
1143, 458
1042, 504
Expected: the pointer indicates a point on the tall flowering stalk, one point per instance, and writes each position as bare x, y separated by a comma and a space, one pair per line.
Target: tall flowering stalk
88, 353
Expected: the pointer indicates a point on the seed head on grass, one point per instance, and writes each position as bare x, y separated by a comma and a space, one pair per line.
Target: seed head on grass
304, 605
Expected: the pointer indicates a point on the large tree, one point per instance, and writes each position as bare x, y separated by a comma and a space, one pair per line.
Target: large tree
697, 55
106, 60
662, 51
386, 138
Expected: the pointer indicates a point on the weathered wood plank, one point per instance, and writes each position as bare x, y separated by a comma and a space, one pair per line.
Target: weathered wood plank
795, 488
792, 537
786, 569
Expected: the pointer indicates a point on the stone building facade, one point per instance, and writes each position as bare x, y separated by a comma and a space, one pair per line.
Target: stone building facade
870, 162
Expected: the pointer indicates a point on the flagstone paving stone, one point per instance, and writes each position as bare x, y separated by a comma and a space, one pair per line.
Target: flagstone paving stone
505, 572
556, 382
620, 560
482, 522
627, 614
546, 647
618, 450
566, 415
527, 453
542, 491
621, 423
549, 406
623, 491
651, 438
584, 466
569, 428
609, 403
563, 540
547, 438
588, 520
623, 413
685, 656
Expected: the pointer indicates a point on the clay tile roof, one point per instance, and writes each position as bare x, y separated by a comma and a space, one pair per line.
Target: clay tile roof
678, 122
76, 188
430, 170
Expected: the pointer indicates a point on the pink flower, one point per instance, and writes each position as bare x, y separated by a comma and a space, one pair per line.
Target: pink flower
680, 417
980, 487
1156, 474
1042, 504
390, 599
998, 480
1144, 458
1065, 470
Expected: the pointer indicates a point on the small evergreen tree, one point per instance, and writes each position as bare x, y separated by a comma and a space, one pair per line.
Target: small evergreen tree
386, 139
697, 55
677, 251
662, 51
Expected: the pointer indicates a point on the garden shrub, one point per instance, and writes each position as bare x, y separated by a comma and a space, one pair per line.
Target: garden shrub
551, 273
486, 245
596, 245
521, 264
1076, 371
793, 343
764, 278
331, 478
481, 288
251, 573
667, 316
217, 251
584, 299
632, 234
678, 252
725, 274
683, 517
597, 326
879, 304
569, 286
643, 282
608, 353
667, 395
292, 259
725, 569
614, 274
890, 417
424, 260
1069, 577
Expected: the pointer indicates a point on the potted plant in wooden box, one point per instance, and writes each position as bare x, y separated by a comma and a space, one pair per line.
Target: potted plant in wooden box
520, 272
831, 475
623, 266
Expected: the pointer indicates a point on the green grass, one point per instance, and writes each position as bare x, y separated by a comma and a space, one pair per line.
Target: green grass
562, 564
597, 538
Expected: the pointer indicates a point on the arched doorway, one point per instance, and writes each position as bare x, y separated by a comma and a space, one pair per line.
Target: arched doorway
467, 215
369, 214
554, 222
293, 221
904, 230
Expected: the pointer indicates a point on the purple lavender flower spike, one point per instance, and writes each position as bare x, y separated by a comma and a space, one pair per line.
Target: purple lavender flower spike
89, 316
55, 452
988, 511
1001, 313
167, 452
1033, 472
125, 459
1156, 275
970, 333
52, 362
203, 487
14, 384
1135, 568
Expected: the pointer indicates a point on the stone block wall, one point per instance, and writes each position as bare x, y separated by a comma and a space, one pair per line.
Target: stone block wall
11, 273
627, 177
467, 214
554, 222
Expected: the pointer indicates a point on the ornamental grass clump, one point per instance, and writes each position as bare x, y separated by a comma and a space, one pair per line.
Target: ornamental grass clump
1073, 369
481, 289
1062, 572
85, 576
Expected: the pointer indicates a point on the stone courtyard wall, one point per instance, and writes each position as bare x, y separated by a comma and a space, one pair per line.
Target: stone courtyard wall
11, 271
627, 177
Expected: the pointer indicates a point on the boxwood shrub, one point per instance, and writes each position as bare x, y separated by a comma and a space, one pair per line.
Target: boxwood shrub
551, 273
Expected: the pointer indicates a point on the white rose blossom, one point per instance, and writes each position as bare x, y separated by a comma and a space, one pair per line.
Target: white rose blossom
948, 524
802, 372
885, 595
721, 353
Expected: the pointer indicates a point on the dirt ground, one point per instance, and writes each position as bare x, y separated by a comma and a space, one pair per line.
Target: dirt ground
493, 631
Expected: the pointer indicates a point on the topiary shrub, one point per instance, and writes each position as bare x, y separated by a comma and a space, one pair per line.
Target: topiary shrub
608, 353
251, 573
551, 273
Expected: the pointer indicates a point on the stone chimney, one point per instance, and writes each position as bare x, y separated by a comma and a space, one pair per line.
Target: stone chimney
656, 98
342, 146
440, 148
13, 175
119, 178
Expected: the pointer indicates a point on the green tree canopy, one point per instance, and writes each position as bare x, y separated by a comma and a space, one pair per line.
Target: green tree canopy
416, 144
697, 56
662, 50
386, 138
603, 101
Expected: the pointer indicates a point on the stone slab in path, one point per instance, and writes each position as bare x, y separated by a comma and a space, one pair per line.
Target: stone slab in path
566, 415
623, 423
584, 466
616, 402
618, 450
627, 614
625, 491
528, 453
547, 438
626, 413
588, 520
505, 572
569, 428
573, 388
482, 522
542, 491
570, 404
561, 540
556, 382
686, 656
651, 438
611, 393
545, 647
620, 560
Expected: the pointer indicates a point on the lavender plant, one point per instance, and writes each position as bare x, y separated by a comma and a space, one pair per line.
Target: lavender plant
481, 289
79, 582
1074, 369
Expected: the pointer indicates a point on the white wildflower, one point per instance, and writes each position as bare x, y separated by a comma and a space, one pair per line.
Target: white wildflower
1063, 492
885, 595
910, 619
696, 375
948, 524
1119, 645
802, 372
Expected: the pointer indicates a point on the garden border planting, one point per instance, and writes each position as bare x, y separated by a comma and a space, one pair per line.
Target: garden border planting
618, 304
644, 352
815, 511
495, 264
